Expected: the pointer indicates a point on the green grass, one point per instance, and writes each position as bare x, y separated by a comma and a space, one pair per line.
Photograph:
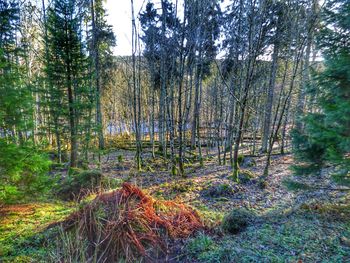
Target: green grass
307, 237
22, 229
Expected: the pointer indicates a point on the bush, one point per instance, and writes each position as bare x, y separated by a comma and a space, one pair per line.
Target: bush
240, 159
237, 220
120, 158
23, 172
245, 176
79, 183
219, 190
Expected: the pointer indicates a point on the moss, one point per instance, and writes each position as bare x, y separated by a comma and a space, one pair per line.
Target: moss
79, 183
182, 186
237, 220
22, 230
210, 217
245, 176
218, 190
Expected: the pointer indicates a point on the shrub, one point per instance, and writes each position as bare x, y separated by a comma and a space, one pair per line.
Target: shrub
79, 183
120, 158
245, 176
240, 159
237, 220
23, 172
219, 190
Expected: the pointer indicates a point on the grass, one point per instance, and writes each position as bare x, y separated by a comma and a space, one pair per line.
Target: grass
305, 237
316, 232
312, 234
209, 216
22, 227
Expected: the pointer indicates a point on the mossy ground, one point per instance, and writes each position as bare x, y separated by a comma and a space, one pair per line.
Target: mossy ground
22, 229
303, 237
298, 225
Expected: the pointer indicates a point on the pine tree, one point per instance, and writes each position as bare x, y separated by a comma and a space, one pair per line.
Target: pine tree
22, 167
326, 138
66, 71
102, 39
15, 99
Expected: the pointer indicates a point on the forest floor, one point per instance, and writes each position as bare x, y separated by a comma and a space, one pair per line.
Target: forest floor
297, 219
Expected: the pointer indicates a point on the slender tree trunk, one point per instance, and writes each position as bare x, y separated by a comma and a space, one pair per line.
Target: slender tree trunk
270, 95
97, 77
274, 132
136, 93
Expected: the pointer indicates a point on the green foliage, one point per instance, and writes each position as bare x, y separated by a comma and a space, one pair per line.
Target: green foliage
326, 135
295, 186
23, 172
218, 190
240, 159
237, 220
16, 102
245, 176
120, 158
79, 183
200, 246
325, 138
182, 186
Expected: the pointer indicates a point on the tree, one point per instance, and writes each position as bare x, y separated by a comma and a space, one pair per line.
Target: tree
15, 100
22, 167
325, 138
102, 40
66, 69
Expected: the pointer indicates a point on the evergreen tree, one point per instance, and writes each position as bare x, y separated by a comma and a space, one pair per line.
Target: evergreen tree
326, 138
102, 39
66, 72
22, 167
15, 99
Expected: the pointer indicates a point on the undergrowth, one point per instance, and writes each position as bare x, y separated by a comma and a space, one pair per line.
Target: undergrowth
306, 237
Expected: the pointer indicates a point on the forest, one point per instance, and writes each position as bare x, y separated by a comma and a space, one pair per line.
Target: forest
224, 135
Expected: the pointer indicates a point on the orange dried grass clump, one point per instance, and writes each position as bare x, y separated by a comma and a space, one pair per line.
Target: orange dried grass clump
128, 223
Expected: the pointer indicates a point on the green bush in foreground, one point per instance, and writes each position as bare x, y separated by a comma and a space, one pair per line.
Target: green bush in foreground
324, 138
79, 183
23, 172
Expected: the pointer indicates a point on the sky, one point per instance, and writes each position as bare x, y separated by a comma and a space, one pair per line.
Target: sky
119, 16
